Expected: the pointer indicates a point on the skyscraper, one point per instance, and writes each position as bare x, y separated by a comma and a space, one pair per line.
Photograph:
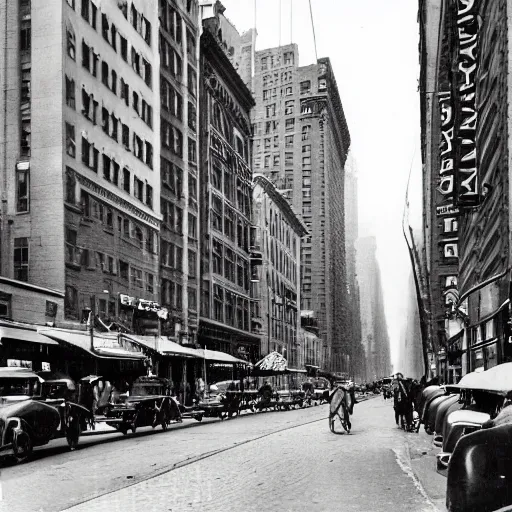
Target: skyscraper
300, 143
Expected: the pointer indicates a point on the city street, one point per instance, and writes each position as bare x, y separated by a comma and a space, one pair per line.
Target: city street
287, 461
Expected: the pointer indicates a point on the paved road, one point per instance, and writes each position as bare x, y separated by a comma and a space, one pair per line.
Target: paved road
286, 461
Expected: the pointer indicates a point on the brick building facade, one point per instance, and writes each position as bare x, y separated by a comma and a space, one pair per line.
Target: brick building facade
179, 243
276, 284
81, 201
225, 195
300, 143
465, 95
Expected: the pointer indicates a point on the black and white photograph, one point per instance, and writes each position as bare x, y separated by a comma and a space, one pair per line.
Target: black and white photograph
255, 256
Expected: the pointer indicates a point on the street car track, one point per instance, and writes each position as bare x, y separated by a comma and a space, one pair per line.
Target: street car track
192, 460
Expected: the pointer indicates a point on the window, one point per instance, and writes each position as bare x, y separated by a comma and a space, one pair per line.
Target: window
229, 265
306, 194
149, 155
217, 213
192, 226
288, 158
306, 131
217, 255
306, 182
70, 92
150, 283
289, 125
264, 63
192, 151
270, 110
192, 264
70, 140
72, 255
192, 81
126, 180
288, 58
147, 113
22, 189
267, 161
138, 188
288, 141
125, 92
266, 94
450, 225
288, 91
306, 161
322, 84
136, 277
305, 108
305, 87
125, 135
192, 116
288, 108
124, 48
71, 43
276, 160
149, 196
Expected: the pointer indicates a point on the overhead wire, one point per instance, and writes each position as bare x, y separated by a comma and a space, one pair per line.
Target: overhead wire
313, 27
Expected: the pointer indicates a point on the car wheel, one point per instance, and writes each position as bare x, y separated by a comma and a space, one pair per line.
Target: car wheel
21, 445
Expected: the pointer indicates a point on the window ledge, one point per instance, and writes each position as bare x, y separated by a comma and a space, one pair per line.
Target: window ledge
73, 207
74, 266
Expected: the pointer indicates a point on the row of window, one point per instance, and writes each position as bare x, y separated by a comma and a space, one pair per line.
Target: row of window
230, 308
283, 261
172, 217
272, 93
289, 108
274, 61
225, 220
25, 70
172, 294
171, 256
90, 61
226, 262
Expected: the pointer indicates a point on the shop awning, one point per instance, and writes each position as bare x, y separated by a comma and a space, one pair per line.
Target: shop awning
13, 333
105, 346
272, 364
220, 357
164, 346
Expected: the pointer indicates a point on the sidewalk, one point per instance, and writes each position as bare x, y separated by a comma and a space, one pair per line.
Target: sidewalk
422, 455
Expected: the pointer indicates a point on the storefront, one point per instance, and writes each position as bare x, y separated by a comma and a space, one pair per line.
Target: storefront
454, 357
22, 345
111, 355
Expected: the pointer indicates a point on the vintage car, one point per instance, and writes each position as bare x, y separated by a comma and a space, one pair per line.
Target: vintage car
148, 403
452, 404
428, 395
480, 472
483, 394
431, 413
28, 419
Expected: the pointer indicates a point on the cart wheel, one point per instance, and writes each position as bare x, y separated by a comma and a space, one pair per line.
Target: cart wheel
21, 446
331, 423
73, 432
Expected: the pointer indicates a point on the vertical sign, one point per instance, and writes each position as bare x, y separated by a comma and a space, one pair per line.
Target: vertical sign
466, 174
446, 172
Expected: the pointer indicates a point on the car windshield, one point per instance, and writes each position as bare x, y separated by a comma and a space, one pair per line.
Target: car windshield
18, 387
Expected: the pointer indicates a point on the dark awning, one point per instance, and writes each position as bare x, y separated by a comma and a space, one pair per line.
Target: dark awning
105, 346
18, 334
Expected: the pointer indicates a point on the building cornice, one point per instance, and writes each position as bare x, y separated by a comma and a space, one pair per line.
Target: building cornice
284, 205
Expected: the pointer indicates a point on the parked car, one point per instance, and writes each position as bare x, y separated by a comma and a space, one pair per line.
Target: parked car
480, 472
29, 416
431, 413
452, 404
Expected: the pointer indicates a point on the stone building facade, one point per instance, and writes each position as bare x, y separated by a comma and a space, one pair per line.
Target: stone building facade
300, 143
276, 277
465, 95
225, 196
81, 201
179, 243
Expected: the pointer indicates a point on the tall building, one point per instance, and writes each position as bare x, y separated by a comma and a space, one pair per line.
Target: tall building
410, 355
356, 352
373, 319
80, 153
225, 182
179, 243
300, 143
465, 98
276, 293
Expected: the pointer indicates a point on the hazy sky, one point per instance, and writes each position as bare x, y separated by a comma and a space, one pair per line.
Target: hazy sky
373, 47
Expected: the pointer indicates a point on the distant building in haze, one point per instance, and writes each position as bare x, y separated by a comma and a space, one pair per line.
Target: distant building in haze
373, 320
